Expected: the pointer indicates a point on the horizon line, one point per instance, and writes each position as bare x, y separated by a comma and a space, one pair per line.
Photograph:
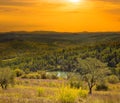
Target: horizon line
59, 31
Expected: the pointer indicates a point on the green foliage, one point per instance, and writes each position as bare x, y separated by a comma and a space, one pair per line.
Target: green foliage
31, 76
19, 72
113, 79
24, 76
39, 75
6, 77
54, 76
51, 76
75, 81
117, 72
75, 84
58, 51
92, 71
27, 70
102, 86
43, 74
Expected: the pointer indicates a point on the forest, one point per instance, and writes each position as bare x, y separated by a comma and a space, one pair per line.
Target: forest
54, 51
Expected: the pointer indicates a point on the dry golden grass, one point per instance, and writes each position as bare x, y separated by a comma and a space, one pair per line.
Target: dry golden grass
48, 91
110, 96
26, 91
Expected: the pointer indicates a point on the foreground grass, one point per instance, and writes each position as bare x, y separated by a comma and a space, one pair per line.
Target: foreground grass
55, 91
104, 98
110, 96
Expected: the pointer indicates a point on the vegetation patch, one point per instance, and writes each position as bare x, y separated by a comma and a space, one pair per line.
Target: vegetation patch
41, 92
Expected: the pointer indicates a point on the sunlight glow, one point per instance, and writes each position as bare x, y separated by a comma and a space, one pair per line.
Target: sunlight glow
75, 1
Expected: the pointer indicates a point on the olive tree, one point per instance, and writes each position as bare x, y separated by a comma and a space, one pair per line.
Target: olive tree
92, 71
6, 77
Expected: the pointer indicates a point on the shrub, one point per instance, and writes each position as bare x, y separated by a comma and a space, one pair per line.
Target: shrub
113, 79
40, 75
43, 74
51, 76
41, 92
24, 76
19, 72
27, 71
102, 86
6, 77
68, 95
82, 93
75, 84
71, 95
31, 76
117, 71
75, 81
54, 76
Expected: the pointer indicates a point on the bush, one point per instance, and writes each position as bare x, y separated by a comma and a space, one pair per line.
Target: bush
51, 76
82, 93
24, 76
75, 84
31, 76
113, 79
41, 92
39, 75
71, 95
27, 71
102, 86
68, 95
43, 74
6, 77
117, 71
19, 72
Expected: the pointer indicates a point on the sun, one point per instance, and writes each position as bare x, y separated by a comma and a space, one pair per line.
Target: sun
75, 1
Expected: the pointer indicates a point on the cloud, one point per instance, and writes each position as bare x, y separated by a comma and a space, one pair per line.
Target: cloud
109, 1
16, 3
17, 7
28, 2
114, 1
114, 11
8, 9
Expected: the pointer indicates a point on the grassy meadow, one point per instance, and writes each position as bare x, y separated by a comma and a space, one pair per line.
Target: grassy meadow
55, 91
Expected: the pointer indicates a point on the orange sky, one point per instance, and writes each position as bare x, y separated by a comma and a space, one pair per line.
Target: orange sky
59, 15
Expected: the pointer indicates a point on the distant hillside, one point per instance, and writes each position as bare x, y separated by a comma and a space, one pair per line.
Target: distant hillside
57, 51
58, 36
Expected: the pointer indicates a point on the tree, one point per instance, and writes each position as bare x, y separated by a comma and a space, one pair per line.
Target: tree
6, 77
92, 70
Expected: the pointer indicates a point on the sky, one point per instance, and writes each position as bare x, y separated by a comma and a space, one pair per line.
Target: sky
60, 15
